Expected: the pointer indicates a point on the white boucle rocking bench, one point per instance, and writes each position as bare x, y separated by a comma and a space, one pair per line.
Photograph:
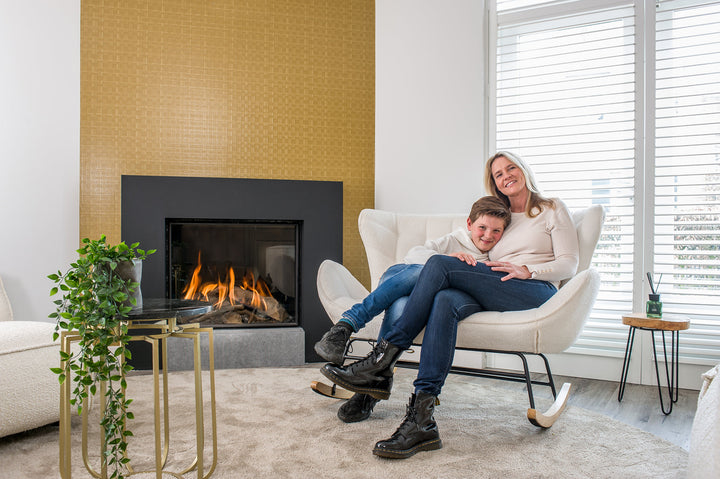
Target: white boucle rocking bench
550, 328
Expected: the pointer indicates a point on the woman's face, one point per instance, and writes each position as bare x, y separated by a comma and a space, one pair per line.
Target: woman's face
509, 179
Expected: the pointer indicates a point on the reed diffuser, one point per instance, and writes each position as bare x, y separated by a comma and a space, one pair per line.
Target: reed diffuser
653, 307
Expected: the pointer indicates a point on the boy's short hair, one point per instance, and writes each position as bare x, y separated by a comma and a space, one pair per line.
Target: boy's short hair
490, 206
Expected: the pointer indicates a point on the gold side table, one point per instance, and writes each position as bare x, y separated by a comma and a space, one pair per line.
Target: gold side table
671, 323
159, 317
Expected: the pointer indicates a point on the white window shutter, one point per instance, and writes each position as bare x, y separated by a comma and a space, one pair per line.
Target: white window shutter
687, 171
566, 104
570, 99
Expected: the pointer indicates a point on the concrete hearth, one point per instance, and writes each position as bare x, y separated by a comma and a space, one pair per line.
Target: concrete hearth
242, 348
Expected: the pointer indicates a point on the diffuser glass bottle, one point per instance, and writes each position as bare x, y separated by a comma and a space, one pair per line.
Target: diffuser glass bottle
653, 308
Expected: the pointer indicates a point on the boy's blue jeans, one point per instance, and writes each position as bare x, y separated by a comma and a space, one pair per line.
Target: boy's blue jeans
390, 296
447, 291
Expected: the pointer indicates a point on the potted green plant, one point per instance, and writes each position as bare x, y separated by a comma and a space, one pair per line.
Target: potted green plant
95, 303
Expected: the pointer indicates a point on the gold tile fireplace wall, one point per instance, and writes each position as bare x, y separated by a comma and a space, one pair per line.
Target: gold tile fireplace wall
274, 89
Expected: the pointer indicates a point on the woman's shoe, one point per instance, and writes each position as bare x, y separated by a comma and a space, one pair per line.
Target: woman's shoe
418, 431
357, 408
371, 375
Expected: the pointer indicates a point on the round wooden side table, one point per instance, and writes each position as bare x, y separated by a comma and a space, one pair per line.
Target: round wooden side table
671, 323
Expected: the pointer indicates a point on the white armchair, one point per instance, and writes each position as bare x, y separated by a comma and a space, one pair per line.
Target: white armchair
550, 328
30, 391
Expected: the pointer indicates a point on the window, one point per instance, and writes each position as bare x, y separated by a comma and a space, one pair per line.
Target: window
571, 98
687, 168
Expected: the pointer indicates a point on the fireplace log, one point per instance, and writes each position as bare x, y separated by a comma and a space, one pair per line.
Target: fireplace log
238, 314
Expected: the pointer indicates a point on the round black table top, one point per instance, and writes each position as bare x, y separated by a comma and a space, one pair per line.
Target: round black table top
163, 308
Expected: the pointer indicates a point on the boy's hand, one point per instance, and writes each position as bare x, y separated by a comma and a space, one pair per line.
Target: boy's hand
468, 258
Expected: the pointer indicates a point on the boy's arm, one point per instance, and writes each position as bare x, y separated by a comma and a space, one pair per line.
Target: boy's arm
457, 244
469, 258
442, 245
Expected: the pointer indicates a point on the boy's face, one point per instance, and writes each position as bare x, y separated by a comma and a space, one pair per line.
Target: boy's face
485, 231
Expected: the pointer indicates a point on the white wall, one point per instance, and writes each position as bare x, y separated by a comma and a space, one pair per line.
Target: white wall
429, 121
39, 148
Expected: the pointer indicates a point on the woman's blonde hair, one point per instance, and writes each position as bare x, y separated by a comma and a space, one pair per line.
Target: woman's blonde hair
536, 202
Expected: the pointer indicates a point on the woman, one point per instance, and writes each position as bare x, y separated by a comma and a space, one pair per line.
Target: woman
538, 250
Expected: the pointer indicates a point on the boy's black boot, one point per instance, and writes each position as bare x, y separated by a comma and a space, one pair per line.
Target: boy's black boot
357, 408
332, 345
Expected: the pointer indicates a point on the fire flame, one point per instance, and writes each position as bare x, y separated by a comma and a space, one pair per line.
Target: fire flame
226, 290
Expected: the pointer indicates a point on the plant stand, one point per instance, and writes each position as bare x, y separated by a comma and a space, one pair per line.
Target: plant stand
147, 319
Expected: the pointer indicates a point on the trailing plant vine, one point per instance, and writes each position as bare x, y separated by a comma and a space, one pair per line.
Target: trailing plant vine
95, 303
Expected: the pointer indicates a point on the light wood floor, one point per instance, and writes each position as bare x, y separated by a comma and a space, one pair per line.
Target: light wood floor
640, 406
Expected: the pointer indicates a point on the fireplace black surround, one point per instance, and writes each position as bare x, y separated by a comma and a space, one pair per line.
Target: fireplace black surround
147, 201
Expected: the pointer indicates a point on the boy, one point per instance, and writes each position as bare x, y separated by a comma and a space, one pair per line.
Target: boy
488, 218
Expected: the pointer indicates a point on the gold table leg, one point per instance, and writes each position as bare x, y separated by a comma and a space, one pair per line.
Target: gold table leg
161, 419
66, 339
193, 332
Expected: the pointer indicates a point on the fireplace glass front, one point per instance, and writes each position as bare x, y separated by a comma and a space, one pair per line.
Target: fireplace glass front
248, 270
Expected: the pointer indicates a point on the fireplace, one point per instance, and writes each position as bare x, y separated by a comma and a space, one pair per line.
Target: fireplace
292, 225
246, 269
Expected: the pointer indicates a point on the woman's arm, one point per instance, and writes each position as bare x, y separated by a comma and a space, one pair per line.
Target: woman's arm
512, 270
565, 248
549, 255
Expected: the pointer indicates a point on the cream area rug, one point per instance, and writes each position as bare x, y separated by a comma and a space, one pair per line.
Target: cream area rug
271, 424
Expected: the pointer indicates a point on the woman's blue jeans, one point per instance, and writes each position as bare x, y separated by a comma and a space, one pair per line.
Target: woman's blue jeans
390, 296
448, 291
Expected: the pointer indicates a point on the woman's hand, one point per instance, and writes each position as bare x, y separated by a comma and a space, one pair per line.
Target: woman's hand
468, 258
512, 270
